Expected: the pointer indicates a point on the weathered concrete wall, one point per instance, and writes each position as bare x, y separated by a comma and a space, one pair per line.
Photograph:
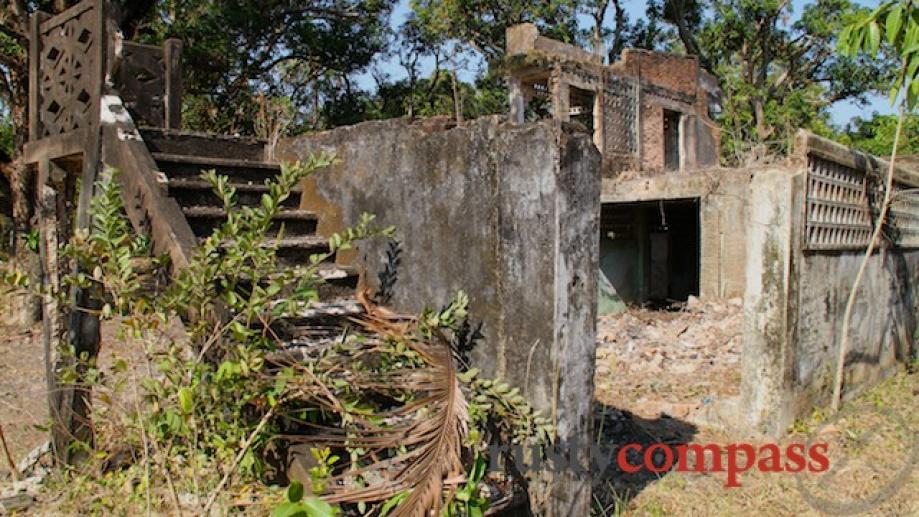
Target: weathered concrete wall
794, 305
621, 274
707, 143
524, 38
508, 213
883, 321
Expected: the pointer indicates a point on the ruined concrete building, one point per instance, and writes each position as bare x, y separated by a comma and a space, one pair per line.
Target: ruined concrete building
786, 238
528, 217
650, 111
673, 232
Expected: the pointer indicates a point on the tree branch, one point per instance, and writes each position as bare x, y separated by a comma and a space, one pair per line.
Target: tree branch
686, 35
133, 14
618, 39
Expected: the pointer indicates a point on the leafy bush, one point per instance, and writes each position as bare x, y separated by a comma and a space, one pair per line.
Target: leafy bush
395, 421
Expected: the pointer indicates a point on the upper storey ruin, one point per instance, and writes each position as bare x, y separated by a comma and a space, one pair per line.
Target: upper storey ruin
649, 111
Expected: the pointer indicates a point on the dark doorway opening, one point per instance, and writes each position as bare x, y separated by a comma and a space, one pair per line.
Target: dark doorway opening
683, 246
671, 140
649, 253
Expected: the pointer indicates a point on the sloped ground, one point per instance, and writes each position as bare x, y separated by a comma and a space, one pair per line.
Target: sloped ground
24, 404
652, 362
23, 392
869, 447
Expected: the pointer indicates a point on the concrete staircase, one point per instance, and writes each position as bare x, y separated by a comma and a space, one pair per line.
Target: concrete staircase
181, 157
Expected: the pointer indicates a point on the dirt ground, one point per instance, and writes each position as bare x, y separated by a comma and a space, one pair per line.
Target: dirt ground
873, 449
22, 390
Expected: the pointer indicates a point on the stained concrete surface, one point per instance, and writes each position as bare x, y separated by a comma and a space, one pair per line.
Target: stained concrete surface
507, 213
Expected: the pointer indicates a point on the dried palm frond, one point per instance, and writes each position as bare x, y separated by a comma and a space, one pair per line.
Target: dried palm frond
419, 448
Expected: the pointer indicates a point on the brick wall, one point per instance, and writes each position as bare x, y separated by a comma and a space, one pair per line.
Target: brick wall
652, 136
677, 73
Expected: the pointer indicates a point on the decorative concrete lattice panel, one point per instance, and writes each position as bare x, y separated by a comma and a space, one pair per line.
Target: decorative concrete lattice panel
142, 82
620, 116
68, 61
841, 205
904, 217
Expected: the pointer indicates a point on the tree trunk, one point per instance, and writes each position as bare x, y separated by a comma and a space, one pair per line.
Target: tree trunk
599, 15
618, 41
457, 99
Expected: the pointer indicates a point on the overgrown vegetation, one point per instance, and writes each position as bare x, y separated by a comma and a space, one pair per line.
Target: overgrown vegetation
868, 445
203, 416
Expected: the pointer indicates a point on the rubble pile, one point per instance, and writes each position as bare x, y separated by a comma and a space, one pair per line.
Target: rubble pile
653, 362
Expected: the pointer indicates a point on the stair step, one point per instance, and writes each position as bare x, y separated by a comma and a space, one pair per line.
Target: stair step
339, 281
172, 141
329, 272
295, 250
196, 192
337, 272
321, 319
238, 171
344, 308
219, 212
318, 321
298, 241
302, 242
205, 219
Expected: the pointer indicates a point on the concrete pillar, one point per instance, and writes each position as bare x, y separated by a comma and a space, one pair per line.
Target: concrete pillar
767, 369
711, 249
517, 100
688, 159
172, 56
599, 129
641, 233
561, 97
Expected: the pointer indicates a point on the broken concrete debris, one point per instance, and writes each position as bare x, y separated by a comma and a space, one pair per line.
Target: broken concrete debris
654, 362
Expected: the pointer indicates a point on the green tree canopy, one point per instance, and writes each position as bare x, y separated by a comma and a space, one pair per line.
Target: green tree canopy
777, 67
777, 74
235, 48
875, 135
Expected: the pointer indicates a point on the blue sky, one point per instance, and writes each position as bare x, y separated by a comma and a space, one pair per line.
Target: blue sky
841, 112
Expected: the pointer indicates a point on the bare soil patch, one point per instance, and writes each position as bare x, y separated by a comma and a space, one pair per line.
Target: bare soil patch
22, 389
